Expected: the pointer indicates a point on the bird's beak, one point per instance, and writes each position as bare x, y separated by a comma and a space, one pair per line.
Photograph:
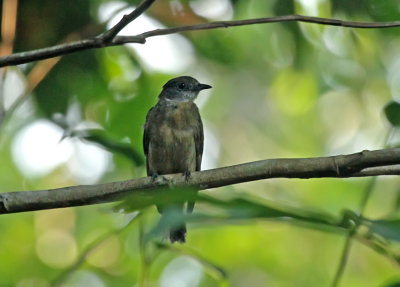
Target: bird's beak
203, 87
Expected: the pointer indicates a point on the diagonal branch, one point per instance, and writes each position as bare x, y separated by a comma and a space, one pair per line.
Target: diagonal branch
98, 42
365, 163
109, 35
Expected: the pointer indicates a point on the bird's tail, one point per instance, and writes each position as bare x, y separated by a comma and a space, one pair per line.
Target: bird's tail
178, 234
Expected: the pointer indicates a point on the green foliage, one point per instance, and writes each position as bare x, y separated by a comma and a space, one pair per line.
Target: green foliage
279, 90
99, 137
144, 199
392, 112
388, 229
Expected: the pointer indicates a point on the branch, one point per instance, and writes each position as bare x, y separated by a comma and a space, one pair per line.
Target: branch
354, 228
104, 40
126, 19
365, 163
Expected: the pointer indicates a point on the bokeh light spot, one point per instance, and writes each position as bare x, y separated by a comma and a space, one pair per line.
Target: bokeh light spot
84, 279
214, 10
56, 248
106, 254
63, 218
182, 272
33, 282
167, 54
89, 162
37, 148
295, 92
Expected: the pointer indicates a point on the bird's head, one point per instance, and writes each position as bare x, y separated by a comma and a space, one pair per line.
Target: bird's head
183, 89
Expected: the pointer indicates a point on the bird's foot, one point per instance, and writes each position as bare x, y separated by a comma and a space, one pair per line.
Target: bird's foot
157, 177
187, 174
154, 176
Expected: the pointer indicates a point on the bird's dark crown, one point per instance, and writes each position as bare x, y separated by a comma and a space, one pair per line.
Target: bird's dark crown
184, 88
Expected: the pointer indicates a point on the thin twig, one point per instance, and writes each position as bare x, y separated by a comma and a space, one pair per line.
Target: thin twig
144, 259
40, 71
351, 233
37, 74
89, 249
378, 248
365, 163
347, 246
98, 42
343, 258
105, 39
3, 73
108, 36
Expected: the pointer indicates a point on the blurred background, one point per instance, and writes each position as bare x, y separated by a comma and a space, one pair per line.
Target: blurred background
279, 90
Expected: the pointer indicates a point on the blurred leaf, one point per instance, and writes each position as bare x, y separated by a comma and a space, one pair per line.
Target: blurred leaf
246, 208
238, 208
271, 82
127, 150
172, 217
392, 283
101, 138
159, 197
235, 209
389, 229
397, 201
284, 7
59, 15
392, 112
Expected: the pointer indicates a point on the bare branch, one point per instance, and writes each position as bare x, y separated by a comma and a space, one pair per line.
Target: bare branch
40, 54
126, 19
55, 51
285, 18
105, 39
365, 163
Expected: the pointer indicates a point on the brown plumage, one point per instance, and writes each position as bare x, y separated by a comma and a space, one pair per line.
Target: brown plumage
173, 136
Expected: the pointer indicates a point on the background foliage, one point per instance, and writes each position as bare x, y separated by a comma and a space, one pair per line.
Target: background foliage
279, 90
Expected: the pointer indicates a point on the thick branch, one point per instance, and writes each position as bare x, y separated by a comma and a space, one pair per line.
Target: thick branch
99, 42
366, 163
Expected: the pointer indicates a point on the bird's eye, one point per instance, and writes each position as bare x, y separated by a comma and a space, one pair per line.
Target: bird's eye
181, 86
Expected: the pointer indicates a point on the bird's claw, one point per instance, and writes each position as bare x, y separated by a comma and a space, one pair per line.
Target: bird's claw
157, 177
154, 177
187, 174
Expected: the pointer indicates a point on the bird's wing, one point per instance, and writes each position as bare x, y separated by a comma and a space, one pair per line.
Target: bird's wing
199, 141
146, 136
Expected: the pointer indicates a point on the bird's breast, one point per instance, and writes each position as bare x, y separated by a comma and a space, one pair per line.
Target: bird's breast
180, 115
177, 126
172, 147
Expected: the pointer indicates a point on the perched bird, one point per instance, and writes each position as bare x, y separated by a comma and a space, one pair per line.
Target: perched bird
173, 136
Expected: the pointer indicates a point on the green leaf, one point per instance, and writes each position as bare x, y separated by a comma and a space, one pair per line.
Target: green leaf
392, 283
159, 197
246, 208
389, 229
392, 112
226, 210
126, 150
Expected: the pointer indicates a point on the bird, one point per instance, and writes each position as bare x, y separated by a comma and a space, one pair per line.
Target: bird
173, 138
